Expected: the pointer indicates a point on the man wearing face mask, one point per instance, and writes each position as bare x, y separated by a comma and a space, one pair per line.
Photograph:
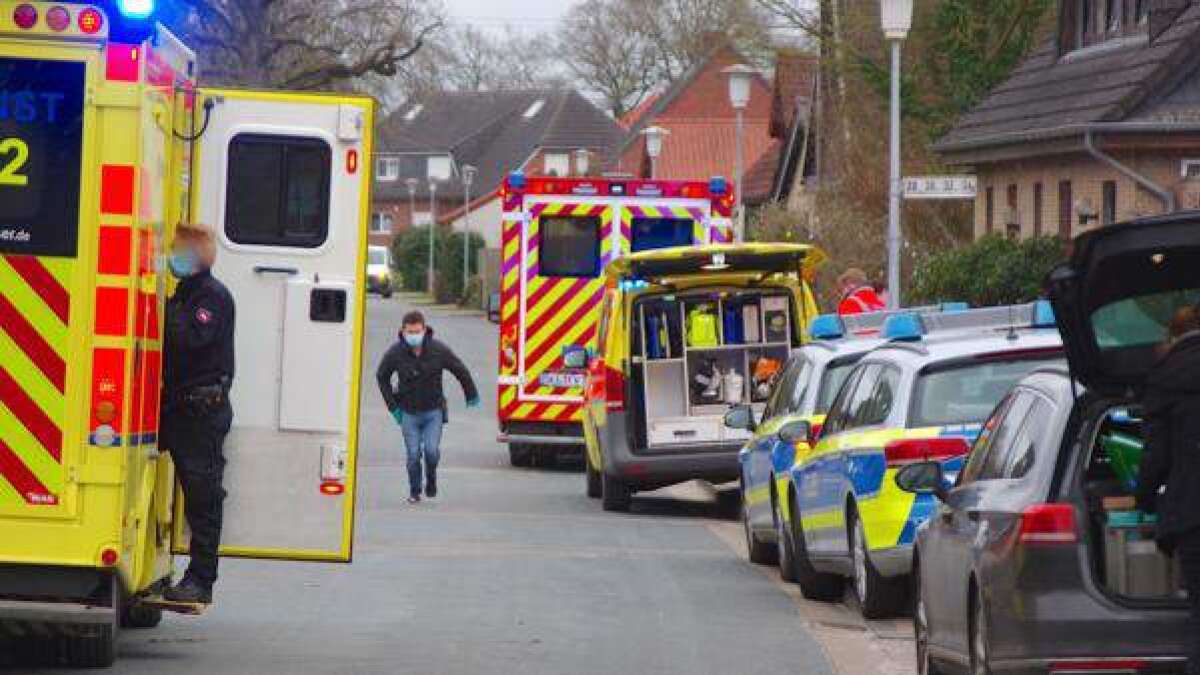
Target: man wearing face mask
415, 397
196, 413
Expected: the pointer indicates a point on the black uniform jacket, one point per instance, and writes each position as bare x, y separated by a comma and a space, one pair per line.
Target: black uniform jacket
418, 385
198, 344
1172, 431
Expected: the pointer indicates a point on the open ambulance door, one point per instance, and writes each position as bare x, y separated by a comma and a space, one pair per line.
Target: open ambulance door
284, 180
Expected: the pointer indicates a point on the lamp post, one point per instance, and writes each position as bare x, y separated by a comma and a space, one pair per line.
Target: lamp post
896, 21
432, 230
740, 78
583, 160
468, 172
654, 141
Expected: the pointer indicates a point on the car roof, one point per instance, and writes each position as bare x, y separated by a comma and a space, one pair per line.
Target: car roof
955, 346
828, 350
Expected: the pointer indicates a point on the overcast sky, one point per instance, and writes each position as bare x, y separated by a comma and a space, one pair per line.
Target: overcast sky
534, 14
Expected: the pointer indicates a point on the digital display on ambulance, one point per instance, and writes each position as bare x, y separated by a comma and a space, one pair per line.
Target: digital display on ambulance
41, 147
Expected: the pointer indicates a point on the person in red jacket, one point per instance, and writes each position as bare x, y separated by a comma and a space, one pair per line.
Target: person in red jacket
858, 296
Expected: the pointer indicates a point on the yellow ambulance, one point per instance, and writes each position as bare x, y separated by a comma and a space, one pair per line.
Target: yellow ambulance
107, 142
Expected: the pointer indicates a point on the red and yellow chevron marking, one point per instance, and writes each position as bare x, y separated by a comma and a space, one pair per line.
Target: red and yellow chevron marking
34, 313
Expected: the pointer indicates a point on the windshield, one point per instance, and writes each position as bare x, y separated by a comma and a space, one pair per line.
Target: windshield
377, 256
967, 393
831, 382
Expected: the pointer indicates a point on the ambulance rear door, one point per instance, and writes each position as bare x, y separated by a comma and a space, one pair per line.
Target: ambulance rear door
284, 180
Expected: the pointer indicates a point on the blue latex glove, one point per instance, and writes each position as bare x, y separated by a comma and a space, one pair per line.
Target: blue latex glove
473, 403
398, 415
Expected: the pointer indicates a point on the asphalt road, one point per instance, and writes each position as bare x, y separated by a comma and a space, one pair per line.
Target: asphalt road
508, 571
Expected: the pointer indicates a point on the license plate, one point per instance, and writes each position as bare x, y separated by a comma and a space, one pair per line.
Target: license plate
563, 380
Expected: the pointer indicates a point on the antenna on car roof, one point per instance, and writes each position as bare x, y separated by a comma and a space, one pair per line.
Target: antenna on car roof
1012, 323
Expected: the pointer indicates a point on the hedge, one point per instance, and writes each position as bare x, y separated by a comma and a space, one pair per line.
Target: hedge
995, 270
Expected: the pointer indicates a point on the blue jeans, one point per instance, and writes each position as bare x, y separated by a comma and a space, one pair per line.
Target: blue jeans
422, 438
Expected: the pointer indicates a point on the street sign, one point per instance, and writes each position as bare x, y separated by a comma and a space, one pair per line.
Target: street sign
940, 187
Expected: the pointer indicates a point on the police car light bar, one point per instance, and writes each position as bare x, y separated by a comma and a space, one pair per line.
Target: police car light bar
904, 326
871, 323
1031, 315
827, 327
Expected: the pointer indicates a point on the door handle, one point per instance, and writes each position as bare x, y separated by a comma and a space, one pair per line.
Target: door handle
270, 269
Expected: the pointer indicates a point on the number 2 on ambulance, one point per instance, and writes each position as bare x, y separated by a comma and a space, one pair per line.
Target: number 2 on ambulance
14, 154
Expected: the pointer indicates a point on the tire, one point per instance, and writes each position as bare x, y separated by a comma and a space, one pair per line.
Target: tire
140, 616
925, 664
615, 495
96, 646
978, 646
814, 585
520, 455
760, 553
595, 481
878, 596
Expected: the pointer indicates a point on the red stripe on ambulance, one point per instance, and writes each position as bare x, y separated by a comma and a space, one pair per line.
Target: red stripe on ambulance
32, 344
30, 415
42, 282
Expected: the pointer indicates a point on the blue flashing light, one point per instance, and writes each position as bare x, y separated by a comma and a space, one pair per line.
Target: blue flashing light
954, 307
1043, 315
633, 284
718, 185
136, 9
827, 327
517, 180
906, 327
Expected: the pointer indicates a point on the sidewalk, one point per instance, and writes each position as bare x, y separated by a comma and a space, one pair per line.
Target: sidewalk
425, 303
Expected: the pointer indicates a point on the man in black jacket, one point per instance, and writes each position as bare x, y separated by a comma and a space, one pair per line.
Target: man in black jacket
415, 397
1172, 457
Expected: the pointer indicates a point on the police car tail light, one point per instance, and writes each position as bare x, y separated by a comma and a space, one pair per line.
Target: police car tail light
1048, 524
25, 16
614, 389
913, 450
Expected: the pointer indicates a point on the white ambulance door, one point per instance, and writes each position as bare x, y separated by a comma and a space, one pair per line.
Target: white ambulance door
284, 179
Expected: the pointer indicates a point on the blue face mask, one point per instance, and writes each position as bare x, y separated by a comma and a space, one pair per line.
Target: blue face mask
182, 264
414, 341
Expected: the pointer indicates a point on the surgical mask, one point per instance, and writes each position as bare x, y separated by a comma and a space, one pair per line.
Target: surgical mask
414, 340
182, 264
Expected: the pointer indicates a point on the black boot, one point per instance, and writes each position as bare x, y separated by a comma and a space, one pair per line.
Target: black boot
190, 591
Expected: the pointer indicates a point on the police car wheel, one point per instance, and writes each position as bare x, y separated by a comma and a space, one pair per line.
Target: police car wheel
878, 596
595, 484
814, 585
759, 552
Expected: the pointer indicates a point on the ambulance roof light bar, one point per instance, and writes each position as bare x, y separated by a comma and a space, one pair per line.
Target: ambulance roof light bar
136, 9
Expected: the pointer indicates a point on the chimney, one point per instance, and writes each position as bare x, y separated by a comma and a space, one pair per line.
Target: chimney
1163, 14
795, 73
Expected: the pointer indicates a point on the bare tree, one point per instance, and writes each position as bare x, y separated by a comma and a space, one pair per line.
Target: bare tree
304, 44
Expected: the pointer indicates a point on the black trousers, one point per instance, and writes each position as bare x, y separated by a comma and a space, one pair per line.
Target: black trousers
1187, 547
196, 444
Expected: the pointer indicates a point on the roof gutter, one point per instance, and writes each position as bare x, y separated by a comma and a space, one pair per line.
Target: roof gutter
1018, 137
1164, 195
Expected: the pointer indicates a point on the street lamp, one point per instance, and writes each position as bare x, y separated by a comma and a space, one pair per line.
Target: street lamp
896, 20
468, 176
654, 141
432, 229
583, 159
740, 78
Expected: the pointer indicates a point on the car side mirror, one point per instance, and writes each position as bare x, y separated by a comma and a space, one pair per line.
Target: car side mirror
797, 432
923, 478
741, 417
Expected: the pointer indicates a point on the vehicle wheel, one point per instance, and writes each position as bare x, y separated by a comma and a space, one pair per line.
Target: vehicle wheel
814, 585
96, 646
615, 494
925, 665
137, 615
760, 553
595, 481
979, 638
878, 596
520, 455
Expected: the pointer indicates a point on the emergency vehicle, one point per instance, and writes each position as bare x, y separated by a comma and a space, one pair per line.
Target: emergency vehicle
107, 142
558, 236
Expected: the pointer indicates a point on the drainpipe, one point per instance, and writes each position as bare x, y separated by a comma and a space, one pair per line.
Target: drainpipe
1165, 196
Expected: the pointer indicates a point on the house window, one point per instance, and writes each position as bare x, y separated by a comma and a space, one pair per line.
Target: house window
278, 191
387, 169
989, 213
381, 223
422, 218
1038, 205
557, 164
1141, 12
1065, 209
1190, 169
1091, 22
1012, 216
1112, 15
438, 168
1109, 214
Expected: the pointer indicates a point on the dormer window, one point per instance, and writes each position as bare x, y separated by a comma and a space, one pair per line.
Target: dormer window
1087, 23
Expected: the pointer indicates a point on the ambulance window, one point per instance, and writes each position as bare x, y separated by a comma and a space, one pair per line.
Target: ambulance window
654, 233
570, 247
278, 192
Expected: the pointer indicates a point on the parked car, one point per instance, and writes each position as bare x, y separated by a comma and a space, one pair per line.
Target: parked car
914, 398
1033, 562
379, 270
801, 396
493, 306
685, 334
